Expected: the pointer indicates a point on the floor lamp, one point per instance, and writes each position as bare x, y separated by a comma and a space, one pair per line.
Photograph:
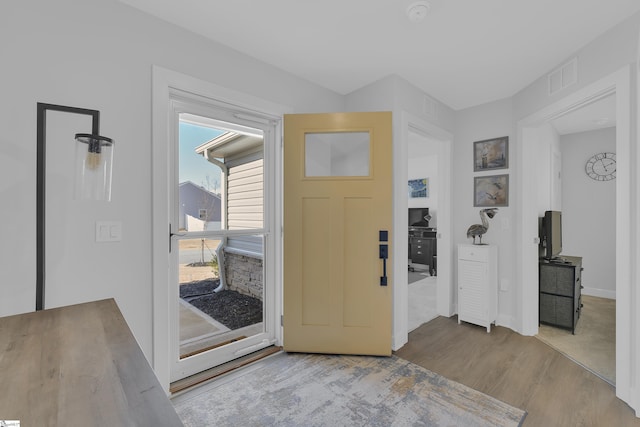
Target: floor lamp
93, 166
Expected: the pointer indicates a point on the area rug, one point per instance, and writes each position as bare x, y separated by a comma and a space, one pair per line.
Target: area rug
325, 390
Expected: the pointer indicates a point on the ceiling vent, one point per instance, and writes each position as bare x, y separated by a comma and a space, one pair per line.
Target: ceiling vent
563, 77
430, 107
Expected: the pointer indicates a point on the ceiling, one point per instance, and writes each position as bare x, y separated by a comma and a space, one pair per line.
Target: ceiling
463, 53
597, 115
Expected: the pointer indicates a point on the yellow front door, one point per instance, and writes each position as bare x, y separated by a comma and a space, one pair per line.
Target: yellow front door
337, 215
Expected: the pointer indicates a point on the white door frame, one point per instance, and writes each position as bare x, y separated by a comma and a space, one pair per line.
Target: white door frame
165, 81
181, 103
403, 123
627, 297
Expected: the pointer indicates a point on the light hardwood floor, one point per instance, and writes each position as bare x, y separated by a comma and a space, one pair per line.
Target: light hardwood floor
521, 371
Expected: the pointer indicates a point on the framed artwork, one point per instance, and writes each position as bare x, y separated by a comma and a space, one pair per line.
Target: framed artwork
491, 154
418, 188
491, 191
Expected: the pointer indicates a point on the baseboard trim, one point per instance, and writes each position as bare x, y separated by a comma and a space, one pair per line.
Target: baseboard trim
602, 293
504, 320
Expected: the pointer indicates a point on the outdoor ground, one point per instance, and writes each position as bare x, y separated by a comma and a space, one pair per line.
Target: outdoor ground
231, 308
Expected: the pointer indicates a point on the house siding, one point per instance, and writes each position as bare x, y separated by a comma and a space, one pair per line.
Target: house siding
245, 189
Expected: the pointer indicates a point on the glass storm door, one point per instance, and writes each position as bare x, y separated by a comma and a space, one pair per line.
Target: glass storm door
220, 296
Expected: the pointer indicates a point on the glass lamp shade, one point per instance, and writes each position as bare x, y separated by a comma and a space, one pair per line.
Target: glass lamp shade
93, 165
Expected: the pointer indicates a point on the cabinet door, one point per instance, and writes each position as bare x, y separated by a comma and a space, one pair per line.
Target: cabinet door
472, 279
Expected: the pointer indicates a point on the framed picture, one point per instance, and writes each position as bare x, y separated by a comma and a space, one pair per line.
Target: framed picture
418, 188
491, 154
491, 191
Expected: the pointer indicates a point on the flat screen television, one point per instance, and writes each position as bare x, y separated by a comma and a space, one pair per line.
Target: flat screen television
419, 217
551, 233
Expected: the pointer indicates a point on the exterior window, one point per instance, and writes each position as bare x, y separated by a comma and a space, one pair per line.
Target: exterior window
202, 214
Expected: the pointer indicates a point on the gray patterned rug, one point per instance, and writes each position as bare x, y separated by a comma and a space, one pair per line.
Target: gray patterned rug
323, 390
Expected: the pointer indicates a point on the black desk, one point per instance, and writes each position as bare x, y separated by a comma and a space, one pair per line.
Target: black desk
423, 248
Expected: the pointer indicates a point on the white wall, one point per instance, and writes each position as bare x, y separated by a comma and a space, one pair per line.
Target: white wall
98, 54
393, 93
548, 172
487, 121
589, 211
598, 58
423, 163
549, 180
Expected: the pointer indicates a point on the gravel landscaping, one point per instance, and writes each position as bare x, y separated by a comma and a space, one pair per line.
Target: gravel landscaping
231, 308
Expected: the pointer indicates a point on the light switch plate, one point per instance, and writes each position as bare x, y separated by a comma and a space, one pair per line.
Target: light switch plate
108, 231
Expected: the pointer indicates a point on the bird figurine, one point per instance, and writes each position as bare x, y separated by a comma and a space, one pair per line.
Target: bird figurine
479, 229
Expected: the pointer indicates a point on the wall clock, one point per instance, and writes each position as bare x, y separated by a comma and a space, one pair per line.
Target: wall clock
601, 167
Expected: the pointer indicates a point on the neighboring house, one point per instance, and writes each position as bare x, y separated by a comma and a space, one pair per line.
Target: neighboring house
240, 158
199, 208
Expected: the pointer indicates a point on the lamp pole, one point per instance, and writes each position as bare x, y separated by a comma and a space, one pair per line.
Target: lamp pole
41, 146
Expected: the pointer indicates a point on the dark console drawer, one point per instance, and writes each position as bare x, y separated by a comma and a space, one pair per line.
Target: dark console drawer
557, 311
559, 280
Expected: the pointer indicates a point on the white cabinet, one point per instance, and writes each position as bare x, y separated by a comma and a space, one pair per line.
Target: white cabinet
478, 284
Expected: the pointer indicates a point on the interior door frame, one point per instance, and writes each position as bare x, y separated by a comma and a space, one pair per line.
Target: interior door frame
404, 123
527, 265
165, 81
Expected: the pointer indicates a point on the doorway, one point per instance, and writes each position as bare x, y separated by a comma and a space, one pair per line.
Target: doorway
216, 226
445, 302
422, 170
617, 83
587, 202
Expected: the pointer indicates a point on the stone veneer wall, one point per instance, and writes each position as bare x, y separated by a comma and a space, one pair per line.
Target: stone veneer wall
244, 274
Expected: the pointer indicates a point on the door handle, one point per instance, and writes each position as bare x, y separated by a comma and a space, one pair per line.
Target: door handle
384, 254
171, 234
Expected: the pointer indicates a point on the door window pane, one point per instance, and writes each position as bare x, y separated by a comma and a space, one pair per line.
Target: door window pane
337, 154
221, 291
221, 188
200, 181
221, 176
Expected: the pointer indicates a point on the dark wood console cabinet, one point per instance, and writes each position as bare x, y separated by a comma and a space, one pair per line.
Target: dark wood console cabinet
423, 248
560, 292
